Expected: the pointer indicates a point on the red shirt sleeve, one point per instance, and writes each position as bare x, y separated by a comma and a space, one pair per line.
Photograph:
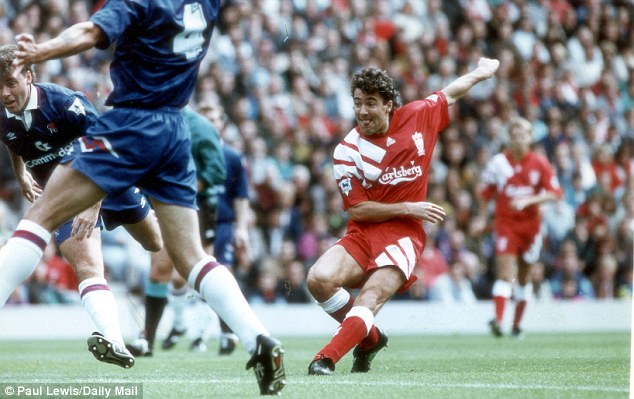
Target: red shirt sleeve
352, 191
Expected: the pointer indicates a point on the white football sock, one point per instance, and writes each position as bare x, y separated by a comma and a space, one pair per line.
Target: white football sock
101, 306
178, 301
20, 256
502, 288
335, 302
201, 321
219, 288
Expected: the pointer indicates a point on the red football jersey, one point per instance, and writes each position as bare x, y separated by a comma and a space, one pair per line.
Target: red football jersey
394, 167
506, 179
389, 169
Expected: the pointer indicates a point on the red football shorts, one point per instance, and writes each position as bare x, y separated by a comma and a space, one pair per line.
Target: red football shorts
397, 242
521, 238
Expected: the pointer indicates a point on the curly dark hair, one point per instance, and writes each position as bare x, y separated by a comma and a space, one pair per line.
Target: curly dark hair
7, 55
374, 80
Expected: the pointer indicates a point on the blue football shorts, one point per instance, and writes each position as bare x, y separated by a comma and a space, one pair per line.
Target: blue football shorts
128, 208
149, 149
223, 244
63, 233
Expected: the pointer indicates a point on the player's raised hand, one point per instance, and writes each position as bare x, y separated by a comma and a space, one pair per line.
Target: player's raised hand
488, 66
26, 50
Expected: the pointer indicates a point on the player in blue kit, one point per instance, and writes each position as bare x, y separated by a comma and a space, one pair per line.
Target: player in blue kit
142, 141
39, 123
210, 170
231, 234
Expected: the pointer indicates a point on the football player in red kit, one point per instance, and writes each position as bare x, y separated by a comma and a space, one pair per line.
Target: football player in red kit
381, 167
519, 180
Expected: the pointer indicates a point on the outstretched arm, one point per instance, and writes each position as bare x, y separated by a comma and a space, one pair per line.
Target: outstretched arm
77, 38
372, 211
521, 203
460, 87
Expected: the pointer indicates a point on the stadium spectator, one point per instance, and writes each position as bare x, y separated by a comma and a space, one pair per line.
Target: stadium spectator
558, 220
293, 283
453, 287
624, 284
266, 290
541, 286
604, 277
529, 88
386, 202
7, 223
171, 186
432, 263
53, 281
519, 180
569, 282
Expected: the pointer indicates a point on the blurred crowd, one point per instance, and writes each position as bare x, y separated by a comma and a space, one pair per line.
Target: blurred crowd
281, 69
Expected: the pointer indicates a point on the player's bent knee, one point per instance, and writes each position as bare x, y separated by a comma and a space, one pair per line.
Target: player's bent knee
320, 283
161, 274
154, 244
314, 281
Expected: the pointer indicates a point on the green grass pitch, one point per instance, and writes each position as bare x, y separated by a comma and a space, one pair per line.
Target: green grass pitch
575, 366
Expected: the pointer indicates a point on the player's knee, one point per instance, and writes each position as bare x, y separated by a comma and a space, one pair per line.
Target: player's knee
161, 273
312, 280
317, 281
153, 243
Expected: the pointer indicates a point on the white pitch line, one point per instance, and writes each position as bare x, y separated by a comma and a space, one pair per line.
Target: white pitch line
327, 381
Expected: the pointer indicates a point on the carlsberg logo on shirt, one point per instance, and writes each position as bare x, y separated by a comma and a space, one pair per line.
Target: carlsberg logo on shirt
395, 176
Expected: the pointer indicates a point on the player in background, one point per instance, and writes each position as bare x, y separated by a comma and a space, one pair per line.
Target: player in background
222, 237
381, 167
518, 179
39, 123
143, 141
210, 170
231, 237
232, 231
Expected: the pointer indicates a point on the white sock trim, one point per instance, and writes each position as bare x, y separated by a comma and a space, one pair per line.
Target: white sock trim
502, 288
336, 302
34, 228
193, 275
364, 314
91, 281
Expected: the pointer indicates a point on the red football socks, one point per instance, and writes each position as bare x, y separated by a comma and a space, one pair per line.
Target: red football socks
351, 332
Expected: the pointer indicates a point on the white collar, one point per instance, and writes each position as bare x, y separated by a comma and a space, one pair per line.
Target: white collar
31, 105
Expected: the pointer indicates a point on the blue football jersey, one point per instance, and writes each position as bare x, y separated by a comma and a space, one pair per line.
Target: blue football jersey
236, 184
58, 116
158, 48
